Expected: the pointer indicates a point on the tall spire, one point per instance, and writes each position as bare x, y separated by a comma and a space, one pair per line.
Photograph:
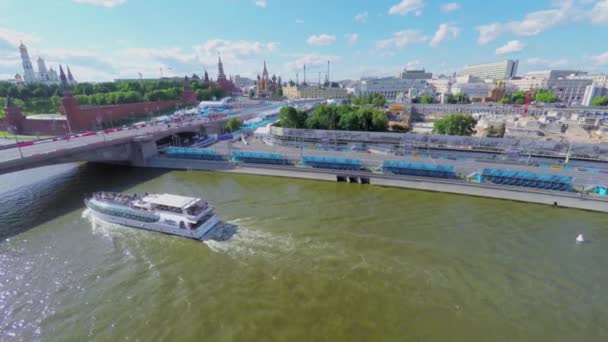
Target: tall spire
220, 69
70, 77
64, 82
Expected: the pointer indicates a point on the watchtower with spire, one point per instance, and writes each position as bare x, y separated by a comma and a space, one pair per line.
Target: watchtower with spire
221, 76
70, 106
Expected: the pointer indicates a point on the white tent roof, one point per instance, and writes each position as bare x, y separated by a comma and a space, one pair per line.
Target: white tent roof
168, 200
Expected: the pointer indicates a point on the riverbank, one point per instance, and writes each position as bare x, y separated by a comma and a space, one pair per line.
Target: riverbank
520, 194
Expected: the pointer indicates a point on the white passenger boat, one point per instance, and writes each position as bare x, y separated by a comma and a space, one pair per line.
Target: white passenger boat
170, 214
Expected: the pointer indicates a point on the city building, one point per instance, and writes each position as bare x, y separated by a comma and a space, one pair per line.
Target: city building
599, 87
477, 90
390, 87
502, 70
242, 82
441, 85
415, 75
568, 85
314, 92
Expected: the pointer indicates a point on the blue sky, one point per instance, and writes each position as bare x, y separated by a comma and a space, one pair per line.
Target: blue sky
106, 39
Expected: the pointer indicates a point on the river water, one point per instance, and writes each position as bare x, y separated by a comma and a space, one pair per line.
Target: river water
310, 261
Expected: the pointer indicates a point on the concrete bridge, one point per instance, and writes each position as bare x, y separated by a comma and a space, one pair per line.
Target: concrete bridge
120, 146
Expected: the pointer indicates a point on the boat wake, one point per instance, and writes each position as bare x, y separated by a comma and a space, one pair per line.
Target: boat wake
107, 229
247, 241
235, 238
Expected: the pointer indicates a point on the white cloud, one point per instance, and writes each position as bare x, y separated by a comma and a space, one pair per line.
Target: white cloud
601, 59
15, 37
401, 39
361, 17
169, 53
233, 52
533, 23
299, 21
351, 38
102, 3
450, 7
559, 63
321, 40
444, 32
407, 6
310, 60
599, 14
261, 3
512, 46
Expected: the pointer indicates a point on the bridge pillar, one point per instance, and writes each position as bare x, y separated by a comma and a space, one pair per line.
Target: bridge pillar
142, 150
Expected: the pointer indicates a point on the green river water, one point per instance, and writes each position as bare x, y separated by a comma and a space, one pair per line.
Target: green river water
310, 261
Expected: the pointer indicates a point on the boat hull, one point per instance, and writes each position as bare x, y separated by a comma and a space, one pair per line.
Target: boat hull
159, 227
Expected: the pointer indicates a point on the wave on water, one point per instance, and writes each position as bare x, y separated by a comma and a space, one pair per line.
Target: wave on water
249, 241
109, 230
236, 237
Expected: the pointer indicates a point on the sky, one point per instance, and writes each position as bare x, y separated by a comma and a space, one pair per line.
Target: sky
106, 39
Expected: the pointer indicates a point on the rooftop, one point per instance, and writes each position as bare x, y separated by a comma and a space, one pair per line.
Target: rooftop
168, 200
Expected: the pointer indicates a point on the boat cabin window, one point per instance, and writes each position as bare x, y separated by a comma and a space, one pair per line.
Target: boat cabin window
169, 209
197, 208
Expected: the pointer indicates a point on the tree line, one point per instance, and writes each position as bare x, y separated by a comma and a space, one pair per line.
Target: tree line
519, 97
46, 98
334, 117
455, 124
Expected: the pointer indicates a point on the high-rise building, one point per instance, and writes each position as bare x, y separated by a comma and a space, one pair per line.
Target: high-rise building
502, 70
28, 70
415, 75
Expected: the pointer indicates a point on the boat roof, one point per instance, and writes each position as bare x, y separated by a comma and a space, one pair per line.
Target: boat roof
169, 200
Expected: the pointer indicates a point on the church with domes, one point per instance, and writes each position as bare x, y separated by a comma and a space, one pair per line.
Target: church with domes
43, 75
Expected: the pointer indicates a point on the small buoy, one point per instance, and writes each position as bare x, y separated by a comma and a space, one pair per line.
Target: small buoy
580, 238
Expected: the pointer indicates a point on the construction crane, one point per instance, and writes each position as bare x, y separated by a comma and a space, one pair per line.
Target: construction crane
527, 102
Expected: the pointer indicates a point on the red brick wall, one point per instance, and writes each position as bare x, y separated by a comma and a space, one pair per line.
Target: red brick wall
44, 127
88, 117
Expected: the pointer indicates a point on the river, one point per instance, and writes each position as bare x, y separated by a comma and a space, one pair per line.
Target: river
310, 261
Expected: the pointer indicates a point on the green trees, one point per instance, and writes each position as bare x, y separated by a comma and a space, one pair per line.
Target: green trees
458, 98
505, 100
427, 99
455, 124
43, 98
546, 96
600, 101
376, 100
292, 118
233, 124
332, 117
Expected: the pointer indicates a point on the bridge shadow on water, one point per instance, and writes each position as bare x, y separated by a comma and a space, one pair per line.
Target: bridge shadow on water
37, 196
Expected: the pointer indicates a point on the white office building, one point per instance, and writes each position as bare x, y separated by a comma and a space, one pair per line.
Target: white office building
389, 87
568, 85
475, 90
493, 71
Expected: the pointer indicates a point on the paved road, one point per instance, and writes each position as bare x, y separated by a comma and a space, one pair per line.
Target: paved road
49, 146
375, 160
